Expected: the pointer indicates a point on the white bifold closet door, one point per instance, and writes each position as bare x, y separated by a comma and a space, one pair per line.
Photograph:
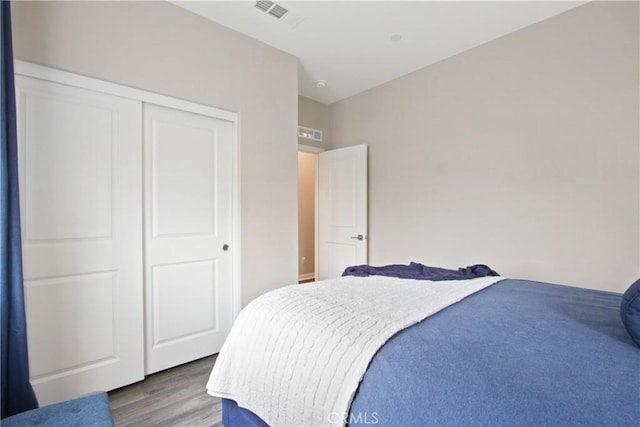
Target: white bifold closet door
188, 231
81, 206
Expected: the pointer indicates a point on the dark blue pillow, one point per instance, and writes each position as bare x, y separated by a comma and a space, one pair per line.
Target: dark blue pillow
630, 311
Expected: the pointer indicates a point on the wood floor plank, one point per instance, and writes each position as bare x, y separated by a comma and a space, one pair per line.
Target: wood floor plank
172, 398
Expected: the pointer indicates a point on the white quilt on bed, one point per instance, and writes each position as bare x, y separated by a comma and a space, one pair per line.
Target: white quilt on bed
296, 355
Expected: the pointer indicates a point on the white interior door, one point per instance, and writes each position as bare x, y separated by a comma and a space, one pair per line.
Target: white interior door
342, 210
80, 183
188, 231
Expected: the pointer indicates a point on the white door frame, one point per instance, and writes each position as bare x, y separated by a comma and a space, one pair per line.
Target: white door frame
309, 149
315, 150
46, 73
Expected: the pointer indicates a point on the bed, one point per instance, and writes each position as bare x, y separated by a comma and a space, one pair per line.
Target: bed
513, 352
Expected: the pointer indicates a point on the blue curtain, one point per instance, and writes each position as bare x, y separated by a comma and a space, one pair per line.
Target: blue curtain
17, 393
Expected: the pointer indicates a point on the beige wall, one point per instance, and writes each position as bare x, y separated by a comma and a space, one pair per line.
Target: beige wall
306, 213
315, 115
521, 153
158, 47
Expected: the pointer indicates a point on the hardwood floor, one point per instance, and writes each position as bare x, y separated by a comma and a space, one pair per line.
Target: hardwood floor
175, 397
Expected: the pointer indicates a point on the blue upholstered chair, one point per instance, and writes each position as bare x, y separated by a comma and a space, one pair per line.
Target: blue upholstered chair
92, 410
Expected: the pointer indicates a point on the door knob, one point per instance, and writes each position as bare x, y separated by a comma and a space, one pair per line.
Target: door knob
225, 247
358, 237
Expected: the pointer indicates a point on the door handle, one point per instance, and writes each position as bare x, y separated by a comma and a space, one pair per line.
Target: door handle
358, 237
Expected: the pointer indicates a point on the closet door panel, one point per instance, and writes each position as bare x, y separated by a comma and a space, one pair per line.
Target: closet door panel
80, 180
188, 221
184, 180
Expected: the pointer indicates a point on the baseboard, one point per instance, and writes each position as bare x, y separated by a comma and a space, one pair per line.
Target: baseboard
308, 276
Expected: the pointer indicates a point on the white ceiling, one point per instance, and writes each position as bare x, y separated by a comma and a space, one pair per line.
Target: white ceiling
347, 43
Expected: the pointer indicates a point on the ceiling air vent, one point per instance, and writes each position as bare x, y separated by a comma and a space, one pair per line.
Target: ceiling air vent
277, 11
264, 5
280, 13
271, 8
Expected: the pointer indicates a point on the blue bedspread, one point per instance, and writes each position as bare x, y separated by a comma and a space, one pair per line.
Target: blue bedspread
516, 353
